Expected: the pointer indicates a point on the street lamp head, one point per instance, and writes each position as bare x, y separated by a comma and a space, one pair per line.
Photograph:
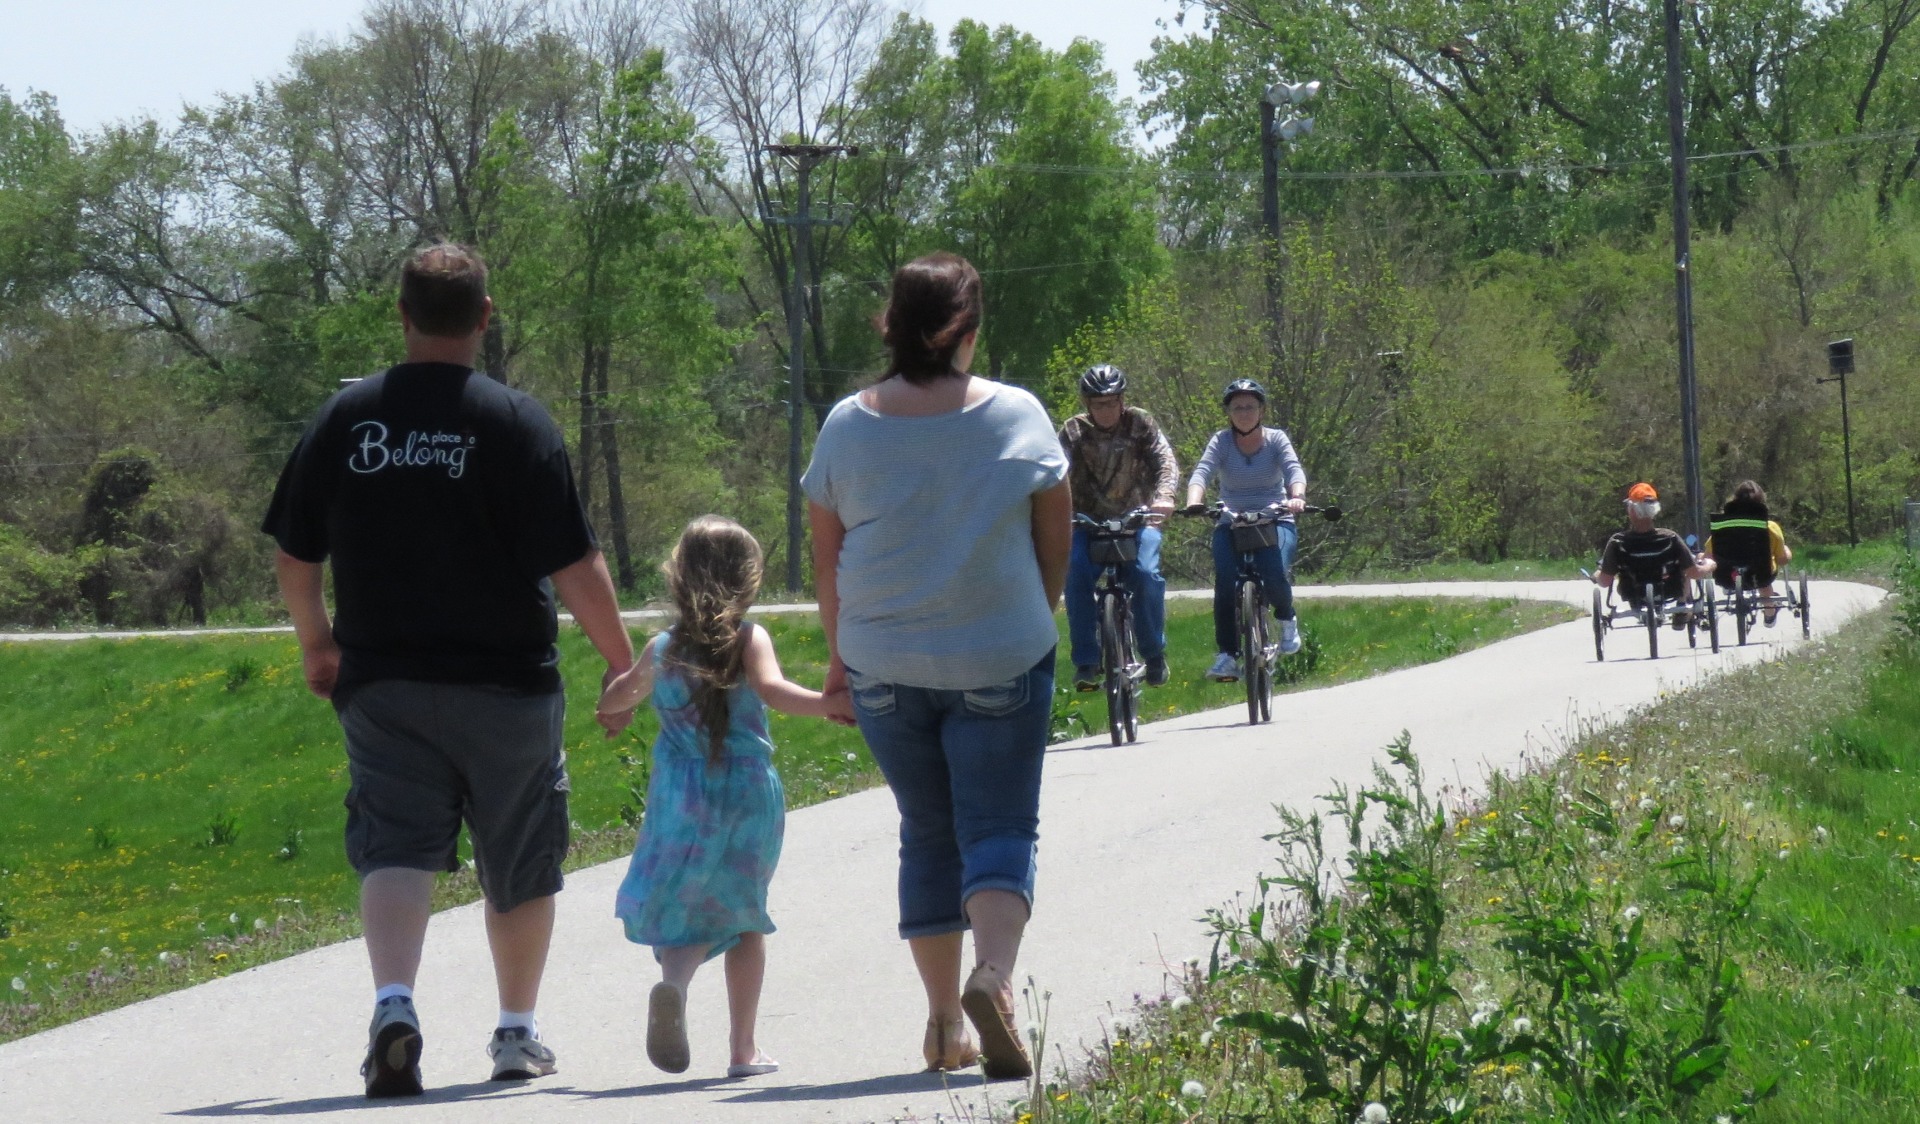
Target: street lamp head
1840, 357
1289, 93
1294, 128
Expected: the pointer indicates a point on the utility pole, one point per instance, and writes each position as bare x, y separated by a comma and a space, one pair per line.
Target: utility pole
1682, 275
1273, 132
1840, 363
804, 157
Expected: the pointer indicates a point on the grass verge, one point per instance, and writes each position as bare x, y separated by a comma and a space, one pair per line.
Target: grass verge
174, 805
1708, 913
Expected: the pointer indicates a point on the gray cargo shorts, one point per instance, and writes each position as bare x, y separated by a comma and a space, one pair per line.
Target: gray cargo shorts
422, 757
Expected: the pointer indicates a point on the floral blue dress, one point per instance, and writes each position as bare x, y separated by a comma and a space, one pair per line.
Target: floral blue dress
712, 832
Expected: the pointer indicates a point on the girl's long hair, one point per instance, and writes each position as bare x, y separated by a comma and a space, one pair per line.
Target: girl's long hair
713, 576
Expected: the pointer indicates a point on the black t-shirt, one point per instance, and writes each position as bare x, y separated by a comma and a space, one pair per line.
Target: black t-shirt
443, 499
1658, 556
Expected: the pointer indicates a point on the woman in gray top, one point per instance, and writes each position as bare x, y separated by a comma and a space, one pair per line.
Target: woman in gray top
1257, 468
941, 525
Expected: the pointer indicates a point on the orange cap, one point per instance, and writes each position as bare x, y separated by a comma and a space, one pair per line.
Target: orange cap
1642, 493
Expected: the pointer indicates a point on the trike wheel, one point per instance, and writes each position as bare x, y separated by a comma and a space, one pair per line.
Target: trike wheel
1650, 612
1599, 629
1806, 615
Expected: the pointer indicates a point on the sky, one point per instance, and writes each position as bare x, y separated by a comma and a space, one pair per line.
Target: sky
112, 60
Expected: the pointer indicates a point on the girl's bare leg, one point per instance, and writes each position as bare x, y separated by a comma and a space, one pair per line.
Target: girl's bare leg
746, 964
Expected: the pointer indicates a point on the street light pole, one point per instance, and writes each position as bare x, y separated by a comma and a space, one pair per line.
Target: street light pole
805, 158
1273, 131
1840, 362
1682, 275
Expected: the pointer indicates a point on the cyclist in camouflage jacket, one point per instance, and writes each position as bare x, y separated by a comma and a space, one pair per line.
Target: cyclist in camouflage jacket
1119, 460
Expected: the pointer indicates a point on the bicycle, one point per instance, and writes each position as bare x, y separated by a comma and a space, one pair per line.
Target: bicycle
1111, 543
1252, 532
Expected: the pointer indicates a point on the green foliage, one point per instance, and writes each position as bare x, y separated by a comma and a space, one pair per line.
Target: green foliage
1372, 1012
969, 142
38, 587
1627, 1019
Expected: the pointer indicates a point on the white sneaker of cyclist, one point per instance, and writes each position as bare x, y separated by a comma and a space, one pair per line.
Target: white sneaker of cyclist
1225, 669
1289, 637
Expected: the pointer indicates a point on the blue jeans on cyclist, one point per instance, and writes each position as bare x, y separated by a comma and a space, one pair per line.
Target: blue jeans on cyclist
1275, 566
1143, 579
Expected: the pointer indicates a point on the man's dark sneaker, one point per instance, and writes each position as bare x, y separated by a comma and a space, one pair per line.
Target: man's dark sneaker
1086, 677
392, 1068
1156, 671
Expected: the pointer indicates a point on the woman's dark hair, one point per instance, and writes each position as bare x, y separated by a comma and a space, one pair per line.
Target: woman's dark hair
713, 576
1748, 498
935, 303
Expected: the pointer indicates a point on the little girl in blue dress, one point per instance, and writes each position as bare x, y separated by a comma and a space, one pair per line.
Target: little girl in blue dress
697, 885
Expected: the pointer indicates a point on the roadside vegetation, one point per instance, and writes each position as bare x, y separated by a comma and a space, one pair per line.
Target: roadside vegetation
174, 805
1708, 913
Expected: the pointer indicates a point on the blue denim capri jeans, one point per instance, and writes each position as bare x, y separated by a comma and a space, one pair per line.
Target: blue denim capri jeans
964, 767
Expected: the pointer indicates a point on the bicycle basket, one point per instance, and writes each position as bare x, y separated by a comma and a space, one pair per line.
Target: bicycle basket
1113, 551
1249, 537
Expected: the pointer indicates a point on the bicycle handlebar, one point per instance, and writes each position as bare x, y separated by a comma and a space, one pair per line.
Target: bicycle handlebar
1127, 524
1272, 513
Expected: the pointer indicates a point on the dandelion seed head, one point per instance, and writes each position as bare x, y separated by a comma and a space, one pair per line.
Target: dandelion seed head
19, 984
1676, 821
1646, 803
1783, 853
1375, 1113
1206, 1039
1819, 834
1523, 1025
1193, 1089
259, 924
1181, 1002
1631, 914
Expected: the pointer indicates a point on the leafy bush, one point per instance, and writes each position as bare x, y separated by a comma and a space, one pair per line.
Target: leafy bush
1369, 968
38, 588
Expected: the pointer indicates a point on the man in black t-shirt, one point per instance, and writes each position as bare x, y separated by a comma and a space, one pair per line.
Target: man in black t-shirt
445, 502
1647, 554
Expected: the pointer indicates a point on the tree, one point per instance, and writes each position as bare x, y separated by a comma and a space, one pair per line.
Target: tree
1017, 157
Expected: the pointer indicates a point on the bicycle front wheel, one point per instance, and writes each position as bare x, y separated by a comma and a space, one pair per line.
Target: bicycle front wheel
1113, 665
1131, 671
1253, 648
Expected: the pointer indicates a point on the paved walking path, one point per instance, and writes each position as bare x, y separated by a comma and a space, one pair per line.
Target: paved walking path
1136, 843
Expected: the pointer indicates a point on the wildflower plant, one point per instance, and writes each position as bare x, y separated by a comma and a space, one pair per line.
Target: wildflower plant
1628, 1001
1367, 969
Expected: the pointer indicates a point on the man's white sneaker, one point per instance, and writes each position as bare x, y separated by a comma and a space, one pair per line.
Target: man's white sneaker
1289, 637
392, 1068
519, 1056
1225, 669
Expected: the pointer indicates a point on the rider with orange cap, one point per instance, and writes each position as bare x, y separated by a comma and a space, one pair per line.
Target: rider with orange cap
1650, 552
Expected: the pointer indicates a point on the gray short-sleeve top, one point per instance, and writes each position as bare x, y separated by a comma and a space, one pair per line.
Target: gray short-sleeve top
939, 583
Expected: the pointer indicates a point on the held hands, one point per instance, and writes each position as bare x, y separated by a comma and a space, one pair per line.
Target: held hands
620, 695
839, 700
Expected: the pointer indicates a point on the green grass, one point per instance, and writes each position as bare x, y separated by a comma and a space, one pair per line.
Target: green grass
183, 796
1812, 765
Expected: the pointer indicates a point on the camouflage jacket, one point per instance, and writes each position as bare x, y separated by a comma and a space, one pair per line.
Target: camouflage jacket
1114, 472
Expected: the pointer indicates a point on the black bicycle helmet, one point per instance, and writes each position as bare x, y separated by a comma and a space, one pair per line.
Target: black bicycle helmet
1243, 386
1102, 379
